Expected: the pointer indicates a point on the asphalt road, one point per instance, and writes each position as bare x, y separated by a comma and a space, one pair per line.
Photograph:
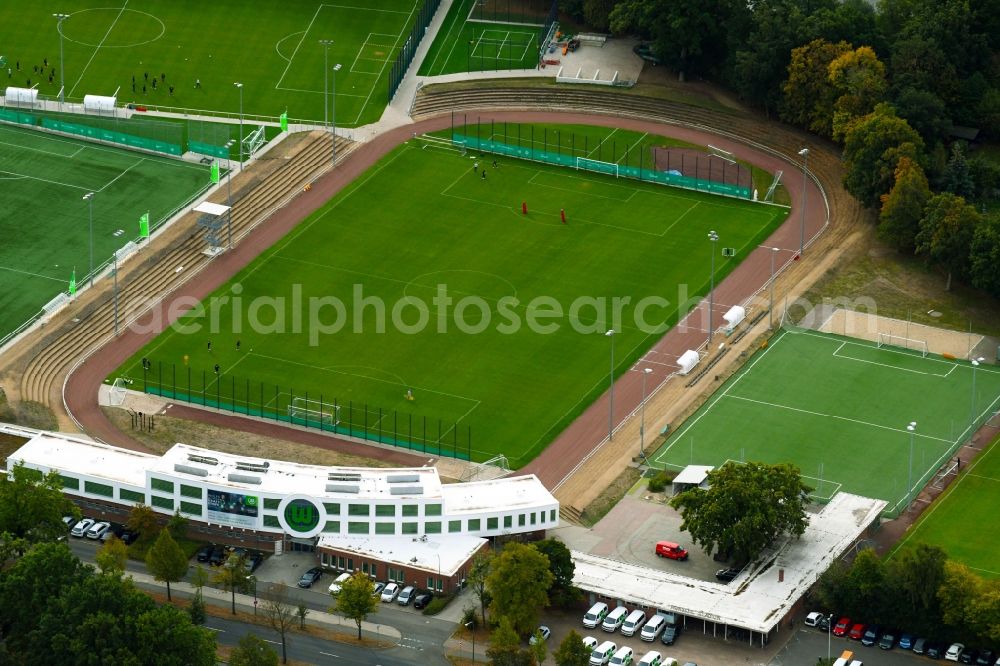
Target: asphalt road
807, 645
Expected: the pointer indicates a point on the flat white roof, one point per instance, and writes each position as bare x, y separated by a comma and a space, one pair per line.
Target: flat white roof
693, 474
71, 454
757, 601
510, 493
424, 553
211, 208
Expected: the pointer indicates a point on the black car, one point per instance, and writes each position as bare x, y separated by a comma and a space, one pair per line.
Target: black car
422, 600
727, 575
255, 560
888, 640
670, 634
936, 650
218, 556
824, 623
986, 658
872, 635
969, 656
205, 552
310, 577
129, 537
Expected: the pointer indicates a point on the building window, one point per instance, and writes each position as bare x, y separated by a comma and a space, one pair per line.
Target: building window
520, 520
440, 585
492, 523
432, 510
409, 510
364, 567
430, 582
191, 508
409, 528
131, 495
161, 502
385, 528
70, 482
454, 526
432, 528
474, 524
161, 485
340, 563
358, 509
332, 508
374, 570
271, 521
270, 503
400, 576
392, 574
332, 526
508, 521
357, 528
350, 564
385, 510
552, 515
532, 517
192, 491
99, 489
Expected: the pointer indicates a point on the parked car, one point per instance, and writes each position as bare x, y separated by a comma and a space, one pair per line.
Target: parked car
69, 521
920, 646
81, 527
116, 530
935, 650
218, 556
614, 619
969, 656
670, 634
377, 592
97, 530
389, 593
857, 631
589, 642
602, 653
842, 627
652, 629
422, 599
595, 615
888, 640
987, 658
651, 658
671, 550
954, 652
310, 577
205, 552
338, 583
543, 633
906, 642
633, 623
623, 657
727, 575
406, 595
255, 560
872, 635
813, 618
129, 537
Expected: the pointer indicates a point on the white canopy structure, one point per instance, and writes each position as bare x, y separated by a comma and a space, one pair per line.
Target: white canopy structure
99, 103
687, 361
20, 95
213, 217
736, 314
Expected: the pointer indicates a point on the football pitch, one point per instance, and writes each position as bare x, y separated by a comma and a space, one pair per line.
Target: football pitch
520, 350
956, 520
46, 223
272, 48
839, 408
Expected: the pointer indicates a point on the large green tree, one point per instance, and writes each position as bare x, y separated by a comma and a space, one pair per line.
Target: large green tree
562, 593
903, 207
518, 583
32, 505
357, 599
745, 508
809, 95
946, 232
505, 646
478, 573
232, 576
253, 651
858, 77
984, 256
166, 561
112, 556
873, 146
572, 651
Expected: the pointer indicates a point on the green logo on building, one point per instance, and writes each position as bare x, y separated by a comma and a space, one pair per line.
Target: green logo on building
301, 515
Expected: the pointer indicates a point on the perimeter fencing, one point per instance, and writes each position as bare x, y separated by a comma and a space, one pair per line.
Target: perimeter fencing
409, 50
620, 159
509, 34
285, 404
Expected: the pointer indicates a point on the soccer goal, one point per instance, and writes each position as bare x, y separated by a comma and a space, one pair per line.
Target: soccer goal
253, 142
588, 164
889, 340
118, 391
314, 411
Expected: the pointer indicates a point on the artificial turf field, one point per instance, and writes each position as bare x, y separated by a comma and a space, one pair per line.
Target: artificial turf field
271, 47
958, 519
838, 408
45, 223
423, 218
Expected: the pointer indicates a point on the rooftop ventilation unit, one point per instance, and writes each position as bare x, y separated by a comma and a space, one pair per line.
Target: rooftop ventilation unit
204, 460
343, 476
403, 478
253, 467
406, 490
244, 478
188, 469
351, 488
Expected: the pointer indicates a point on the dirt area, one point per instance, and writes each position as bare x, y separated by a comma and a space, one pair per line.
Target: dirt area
610, 496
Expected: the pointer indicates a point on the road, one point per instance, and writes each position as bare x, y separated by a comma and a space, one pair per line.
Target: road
807, 645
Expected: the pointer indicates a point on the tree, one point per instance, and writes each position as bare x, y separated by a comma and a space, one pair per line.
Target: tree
914, 577
984, 256
903, 207
302, 611
925, 112
945, 236
596, 13
357, 599
196, 611
143, 521
858, 77
867, 587
166, 561
519, 583
280, 614
957, 177
252, 651
177, 525
232, 576
505, 646
32, 505
809, 95
745, 508
562, 593
873, 146
476, 579
112, 556
572, 651
539, 651
958, 588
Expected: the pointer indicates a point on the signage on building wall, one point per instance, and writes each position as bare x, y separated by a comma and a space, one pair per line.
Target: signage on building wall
301, 517
232, 509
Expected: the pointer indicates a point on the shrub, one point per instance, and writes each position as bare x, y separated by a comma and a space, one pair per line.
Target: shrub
470, 616
438, 604
658, 483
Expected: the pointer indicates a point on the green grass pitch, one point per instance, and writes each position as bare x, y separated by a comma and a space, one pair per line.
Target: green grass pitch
956, 520
838, 408
271, 47
421, 218
45, 223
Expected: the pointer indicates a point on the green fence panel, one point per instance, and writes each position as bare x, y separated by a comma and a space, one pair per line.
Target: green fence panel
111, 136
208, 149
15, 116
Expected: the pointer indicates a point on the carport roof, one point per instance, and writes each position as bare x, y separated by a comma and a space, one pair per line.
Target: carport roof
757, 601
446, 556
693, 474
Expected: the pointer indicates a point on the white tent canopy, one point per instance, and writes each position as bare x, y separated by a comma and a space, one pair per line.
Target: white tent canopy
210, 208
99, 103
20, 95
687, 361
736, 314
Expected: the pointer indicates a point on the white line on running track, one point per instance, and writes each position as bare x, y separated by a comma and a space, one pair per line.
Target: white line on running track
96, 50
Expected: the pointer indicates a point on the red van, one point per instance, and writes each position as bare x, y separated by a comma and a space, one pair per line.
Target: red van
670, 549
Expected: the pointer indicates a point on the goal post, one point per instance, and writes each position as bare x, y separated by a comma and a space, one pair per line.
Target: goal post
588, 164
314, 411
889, 340
253, 141
118, 391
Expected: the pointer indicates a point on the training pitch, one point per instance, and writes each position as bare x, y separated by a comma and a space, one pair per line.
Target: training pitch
272, 48
958, 518
422, 218
45, 222
839, 408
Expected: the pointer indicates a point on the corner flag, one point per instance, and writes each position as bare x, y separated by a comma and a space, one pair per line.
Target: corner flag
144, 225
215, 172
284, 121
72, 284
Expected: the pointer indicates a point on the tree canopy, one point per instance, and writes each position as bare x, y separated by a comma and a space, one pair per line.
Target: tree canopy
518, 583
903, 207
166, 561
873, 146
32, 505
356, 599
946, 233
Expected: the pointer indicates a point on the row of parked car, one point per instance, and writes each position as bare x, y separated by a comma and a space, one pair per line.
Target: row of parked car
98, 529
386, 592
887, 639
217, 555
665, 626
609, 654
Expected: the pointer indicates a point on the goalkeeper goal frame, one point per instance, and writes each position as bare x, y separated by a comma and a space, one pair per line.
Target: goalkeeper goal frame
314, 411
890, 340
587, 164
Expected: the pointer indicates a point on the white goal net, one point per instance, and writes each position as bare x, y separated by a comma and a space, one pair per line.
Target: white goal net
118, 391
314, 411
889, 340
588, 164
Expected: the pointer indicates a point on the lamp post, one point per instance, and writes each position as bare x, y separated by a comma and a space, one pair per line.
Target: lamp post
802, 225
240, 86
611, 390
472, 628
62, 68
336, 68
972, 415
714, 238
829, 628
326, 90
770, 309
89, 197
254, 579
116, 292
909, 483
642, 417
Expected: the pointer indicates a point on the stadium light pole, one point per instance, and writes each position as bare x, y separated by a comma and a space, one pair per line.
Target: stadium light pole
611, 391
326, 81
802, 225
909, 484
770, 308
642, 418
116, 292
89, 197
972, 414
714, 238
62, 68
240, 86
336, 68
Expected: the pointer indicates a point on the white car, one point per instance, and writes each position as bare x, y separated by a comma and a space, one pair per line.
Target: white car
406, 595
623, 657
813, 619
81, 527
651, 658
589, 642
97, 530
544, 631
338, 583
954, 652
390, 592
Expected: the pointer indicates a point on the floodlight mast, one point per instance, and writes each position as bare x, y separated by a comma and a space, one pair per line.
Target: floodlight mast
62, 68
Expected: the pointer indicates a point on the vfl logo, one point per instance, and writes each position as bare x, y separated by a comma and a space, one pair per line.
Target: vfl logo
301, 515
